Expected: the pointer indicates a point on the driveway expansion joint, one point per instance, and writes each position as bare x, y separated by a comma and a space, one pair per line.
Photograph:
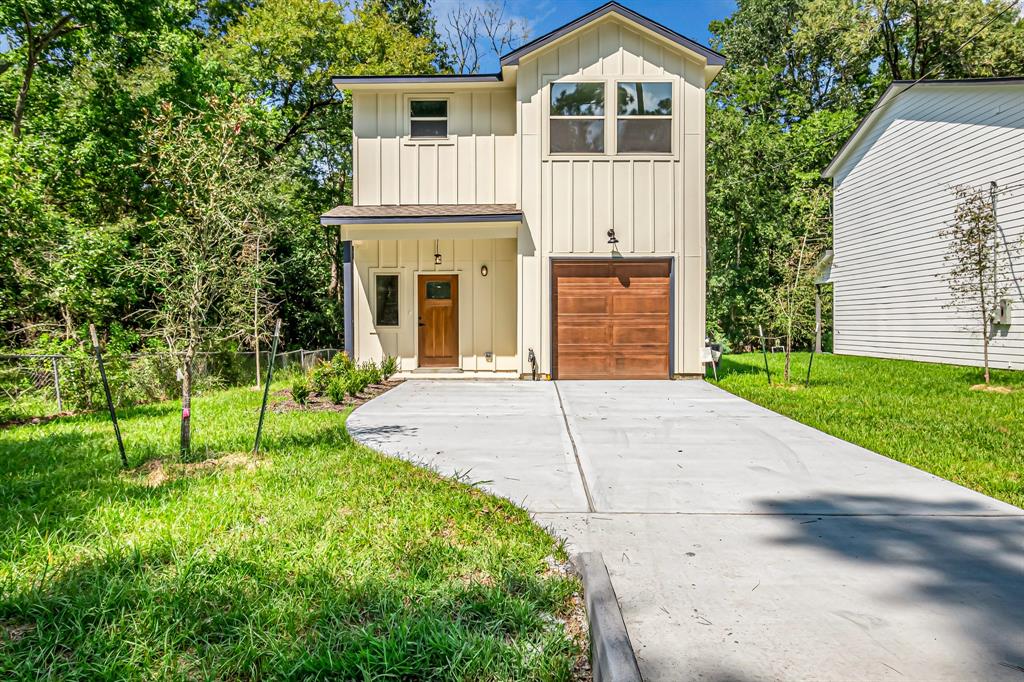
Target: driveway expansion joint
575, 452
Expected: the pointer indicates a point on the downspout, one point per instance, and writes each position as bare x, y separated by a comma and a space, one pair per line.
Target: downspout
348, 297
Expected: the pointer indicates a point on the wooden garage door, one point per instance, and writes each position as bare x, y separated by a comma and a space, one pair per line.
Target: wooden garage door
611, 320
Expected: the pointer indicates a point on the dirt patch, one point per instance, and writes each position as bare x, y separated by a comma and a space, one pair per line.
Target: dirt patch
12, 632
34, 421
991, 388
574, 618
321, 403
157, 472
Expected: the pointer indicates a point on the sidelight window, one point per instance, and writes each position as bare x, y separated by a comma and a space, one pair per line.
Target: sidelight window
387, 300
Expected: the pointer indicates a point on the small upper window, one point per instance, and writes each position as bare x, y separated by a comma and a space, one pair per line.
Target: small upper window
577, 118
644, 123
387, 300
428, 118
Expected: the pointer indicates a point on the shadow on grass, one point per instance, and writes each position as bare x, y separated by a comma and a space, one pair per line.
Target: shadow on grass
970, 566
190, 613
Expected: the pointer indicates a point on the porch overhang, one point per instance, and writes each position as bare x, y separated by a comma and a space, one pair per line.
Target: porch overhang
426, 221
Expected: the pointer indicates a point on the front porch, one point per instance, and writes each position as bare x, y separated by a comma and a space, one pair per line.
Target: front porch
433, 286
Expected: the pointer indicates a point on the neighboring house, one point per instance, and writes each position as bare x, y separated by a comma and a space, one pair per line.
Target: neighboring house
894, 183
553, 211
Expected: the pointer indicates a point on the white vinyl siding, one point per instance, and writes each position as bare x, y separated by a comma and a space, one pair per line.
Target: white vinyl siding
893, 196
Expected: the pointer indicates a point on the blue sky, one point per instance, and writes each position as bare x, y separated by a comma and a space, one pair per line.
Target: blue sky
689, 17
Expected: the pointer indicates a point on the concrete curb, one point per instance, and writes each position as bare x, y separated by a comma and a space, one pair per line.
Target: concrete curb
611, 653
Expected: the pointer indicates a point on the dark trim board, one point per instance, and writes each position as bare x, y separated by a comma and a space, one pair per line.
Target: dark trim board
348, 298
342, 81
385, 220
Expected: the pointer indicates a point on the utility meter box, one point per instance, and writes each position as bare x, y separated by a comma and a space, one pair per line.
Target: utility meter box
1003, 313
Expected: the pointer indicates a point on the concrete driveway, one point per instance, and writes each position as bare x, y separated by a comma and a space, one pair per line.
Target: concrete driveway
741, 544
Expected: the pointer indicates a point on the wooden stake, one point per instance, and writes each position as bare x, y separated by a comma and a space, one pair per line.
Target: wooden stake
266, 386
106, 390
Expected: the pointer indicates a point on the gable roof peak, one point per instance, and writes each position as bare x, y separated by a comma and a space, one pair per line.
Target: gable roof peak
713, 58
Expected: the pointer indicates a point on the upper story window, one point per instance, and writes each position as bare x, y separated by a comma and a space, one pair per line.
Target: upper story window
428, 118
577, 118
644, 118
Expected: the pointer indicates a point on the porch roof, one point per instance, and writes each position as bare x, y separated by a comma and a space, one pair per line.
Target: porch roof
422, 213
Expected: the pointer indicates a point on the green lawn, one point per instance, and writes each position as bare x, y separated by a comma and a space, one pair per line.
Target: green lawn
922, 414
319, 559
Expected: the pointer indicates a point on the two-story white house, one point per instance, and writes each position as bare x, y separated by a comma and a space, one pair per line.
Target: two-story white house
548, 218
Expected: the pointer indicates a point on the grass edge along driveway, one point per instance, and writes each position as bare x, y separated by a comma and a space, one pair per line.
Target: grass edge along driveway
922, 414
320, 558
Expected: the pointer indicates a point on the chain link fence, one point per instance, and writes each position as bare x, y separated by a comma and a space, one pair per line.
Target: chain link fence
48, 385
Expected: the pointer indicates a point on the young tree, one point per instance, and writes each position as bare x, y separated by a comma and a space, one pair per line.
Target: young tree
212, 200
790, 304
976, 272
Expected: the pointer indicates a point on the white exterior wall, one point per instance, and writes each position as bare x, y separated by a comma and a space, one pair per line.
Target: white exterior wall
654, 202
892, 198
476, 164
487, 305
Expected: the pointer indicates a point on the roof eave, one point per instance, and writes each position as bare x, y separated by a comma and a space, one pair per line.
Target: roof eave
392, 220
712, 58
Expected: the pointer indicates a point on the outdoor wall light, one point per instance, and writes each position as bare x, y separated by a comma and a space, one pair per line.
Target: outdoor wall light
437, 254
483, 270
612, 239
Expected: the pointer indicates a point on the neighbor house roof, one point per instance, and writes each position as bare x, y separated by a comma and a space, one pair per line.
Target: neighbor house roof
422, 213
511, 59
892, 92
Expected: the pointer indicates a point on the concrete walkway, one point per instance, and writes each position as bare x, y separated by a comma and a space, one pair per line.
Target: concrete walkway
741, 544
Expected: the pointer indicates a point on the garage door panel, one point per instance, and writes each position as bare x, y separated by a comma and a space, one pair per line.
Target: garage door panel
654, 302
582, 334
612, 319
573, 303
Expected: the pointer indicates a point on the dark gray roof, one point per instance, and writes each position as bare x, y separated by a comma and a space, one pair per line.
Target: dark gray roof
513, 57
422, 213
429, 78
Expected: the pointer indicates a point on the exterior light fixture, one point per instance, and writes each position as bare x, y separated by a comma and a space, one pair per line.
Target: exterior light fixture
437, 254
483, 270
612, 239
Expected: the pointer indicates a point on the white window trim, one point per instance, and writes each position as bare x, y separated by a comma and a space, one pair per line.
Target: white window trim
611, 118
407, 119
548, 117
374, 274
673, 140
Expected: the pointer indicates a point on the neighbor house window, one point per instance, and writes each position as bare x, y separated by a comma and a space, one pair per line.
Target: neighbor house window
644, 122
428, 118
387, 300
577, 118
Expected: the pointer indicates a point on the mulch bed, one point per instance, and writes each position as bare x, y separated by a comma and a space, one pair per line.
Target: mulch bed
321, 403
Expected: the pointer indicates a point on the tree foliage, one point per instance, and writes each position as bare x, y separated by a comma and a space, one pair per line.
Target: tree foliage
800, 74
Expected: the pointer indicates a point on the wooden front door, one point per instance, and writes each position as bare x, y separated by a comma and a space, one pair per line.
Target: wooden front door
611, 319
438, 320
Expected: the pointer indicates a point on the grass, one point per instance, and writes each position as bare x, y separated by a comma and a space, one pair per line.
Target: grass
318, 559
922, 414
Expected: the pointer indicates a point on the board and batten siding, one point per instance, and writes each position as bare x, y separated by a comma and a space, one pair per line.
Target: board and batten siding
895, 194
655, 203
487, 305
476, 164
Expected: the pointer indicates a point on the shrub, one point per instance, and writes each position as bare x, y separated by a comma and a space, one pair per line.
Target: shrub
300, 390
321, 376
357, 381
371, 372
337, 389
388, 367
